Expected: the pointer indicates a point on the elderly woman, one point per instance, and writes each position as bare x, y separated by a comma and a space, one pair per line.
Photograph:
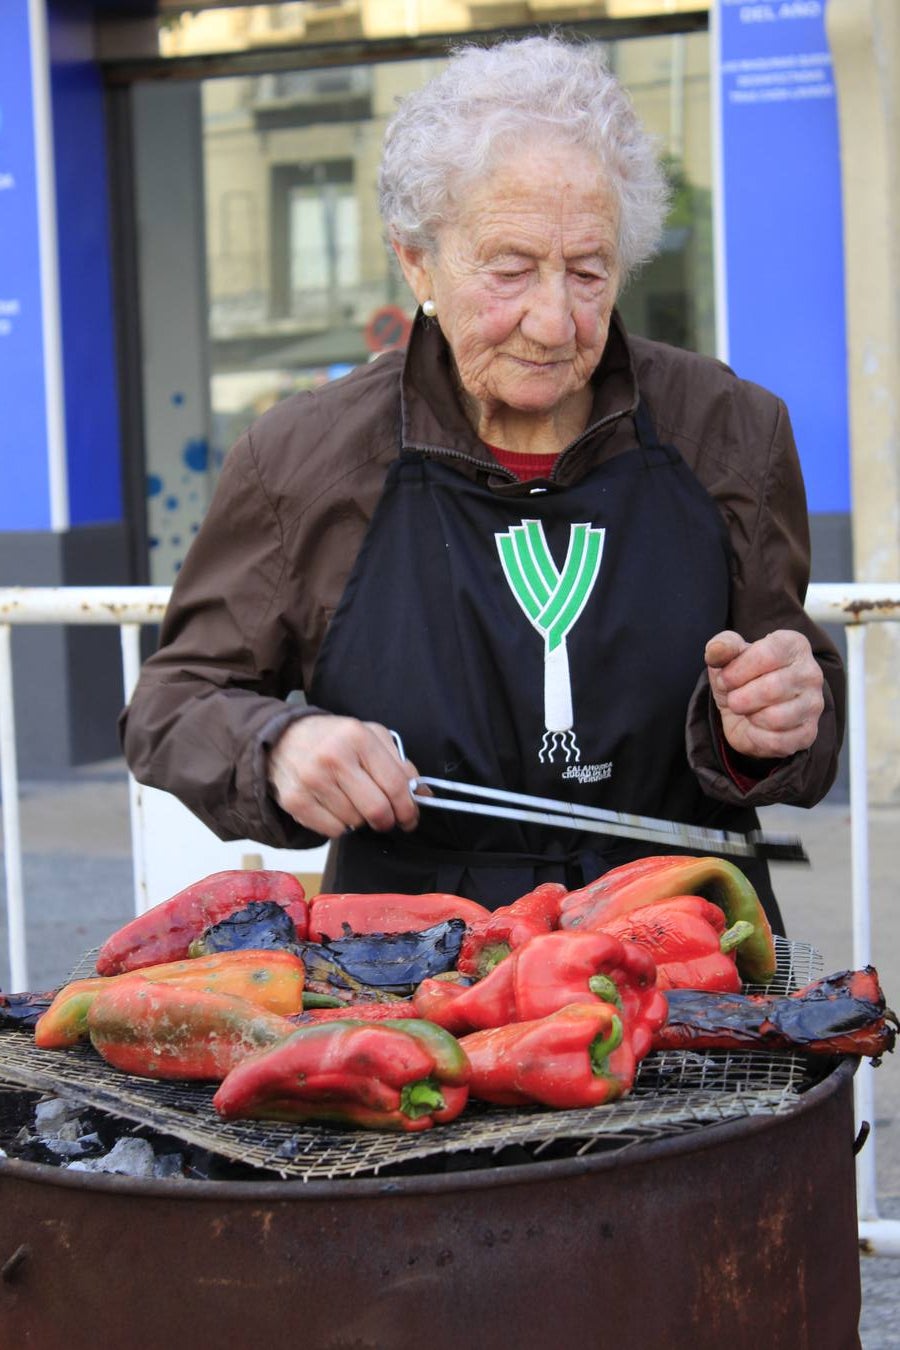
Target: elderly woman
556, 558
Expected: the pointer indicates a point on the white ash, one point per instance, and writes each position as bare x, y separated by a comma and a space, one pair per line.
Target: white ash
75, 1148
59, 1126
56, 1118
168, 1165
132, 1157
129, 1157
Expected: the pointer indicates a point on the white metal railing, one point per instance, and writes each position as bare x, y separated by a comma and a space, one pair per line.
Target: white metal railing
852, 606
129, 607
855, 607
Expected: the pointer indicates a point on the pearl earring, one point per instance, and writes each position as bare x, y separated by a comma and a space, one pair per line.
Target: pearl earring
429, 309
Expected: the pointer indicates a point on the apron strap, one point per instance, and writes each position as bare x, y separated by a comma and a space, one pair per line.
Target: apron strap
643, 425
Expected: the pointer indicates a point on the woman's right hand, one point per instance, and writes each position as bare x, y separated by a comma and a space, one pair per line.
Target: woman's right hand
334, 774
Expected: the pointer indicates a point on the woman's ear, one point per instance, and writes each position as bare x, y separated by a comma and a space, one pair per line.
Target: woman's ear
412, 265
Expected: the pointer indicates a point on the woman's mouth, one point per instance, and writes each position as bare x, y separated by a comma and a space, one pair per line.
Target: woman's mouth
542, 363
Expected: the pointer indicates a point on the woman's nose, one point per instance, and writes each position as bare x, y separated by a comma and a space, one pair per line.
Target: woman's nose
549, 319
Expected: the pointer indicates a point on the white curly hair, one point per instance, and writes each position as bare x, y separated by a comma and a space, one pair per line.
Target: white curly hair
487, 100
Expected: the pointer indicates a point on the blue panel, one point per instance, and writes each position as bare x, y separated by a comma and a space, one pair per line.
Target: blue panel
783, 226
24, 485
89, 369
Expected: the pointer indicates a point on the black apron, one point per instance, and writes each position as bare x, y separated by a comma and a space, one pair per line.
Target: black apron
546, 644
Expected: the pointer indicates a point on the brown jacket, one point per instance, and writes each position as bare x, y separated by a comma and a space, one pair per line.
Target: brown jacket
254, 597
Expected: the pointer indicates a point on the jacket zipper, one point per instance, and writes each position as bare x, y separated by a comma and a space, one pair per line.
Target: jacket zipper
588, 431
466, 459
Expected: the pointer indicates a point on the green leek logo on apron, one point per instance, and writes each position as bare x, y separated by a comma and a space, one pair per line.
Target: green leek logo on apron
552, 602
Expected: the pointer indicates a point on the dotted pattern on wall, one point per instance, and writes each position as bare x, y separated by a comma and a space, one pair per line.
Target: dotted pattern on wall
176, 503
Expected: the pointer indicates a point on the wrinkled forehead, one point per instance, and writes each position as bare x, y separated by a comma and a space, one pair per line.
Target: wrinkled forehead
544, 181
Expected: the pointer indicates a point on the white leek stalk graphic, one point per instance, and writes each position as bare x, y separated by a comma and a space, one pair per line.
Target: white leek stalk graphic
552, 602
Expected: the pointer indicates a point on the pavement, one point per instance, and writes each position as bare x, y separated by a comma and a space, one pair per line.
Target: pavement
78, 889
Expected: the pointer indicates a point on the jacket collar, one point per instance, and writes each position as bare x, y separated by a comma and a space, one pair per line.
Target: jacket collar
432, 415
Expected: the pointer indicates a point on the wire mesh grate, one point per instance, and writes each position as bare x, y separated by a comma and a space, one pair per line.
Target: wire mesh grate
675, 1092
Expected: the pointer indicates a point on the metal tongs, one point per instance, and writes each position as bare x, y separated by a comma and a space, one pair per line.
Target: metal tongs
594, 820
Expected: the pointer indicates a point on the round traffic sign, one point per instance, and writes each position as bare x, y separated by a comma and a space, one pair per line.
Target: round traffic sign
388, 328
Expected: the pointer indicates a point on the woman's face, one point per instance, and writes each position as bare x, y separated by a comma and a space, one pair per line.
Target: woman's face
524, 279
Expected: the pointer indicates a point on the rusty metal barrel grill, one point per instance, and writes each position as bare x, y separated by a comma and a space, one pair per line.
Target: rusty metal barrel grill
714, 1208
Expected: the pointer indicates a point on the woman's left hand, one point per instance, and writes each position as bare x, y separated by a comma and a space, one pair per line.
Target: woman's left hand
769, 692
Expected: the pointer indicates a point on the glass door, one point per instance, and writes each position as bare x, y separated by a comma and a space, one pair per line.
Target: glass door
263, 266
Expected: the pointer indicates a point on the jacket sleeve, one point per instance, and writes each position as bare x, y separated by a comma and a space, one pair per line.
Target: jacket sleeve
213, 698
768, 591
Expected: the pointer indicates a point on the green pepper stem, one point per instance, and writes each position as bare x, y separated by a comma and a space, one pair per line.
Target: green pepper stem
605, 987
735, 935
312, 1000
601, 1047
421, 1098
490, 956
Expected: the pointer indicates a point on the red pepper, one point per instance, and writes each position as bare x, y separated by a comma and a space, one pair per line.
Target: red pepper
650, 880
547, 973
841, 1014
336, 916
487, 943
554, 970
165, 932
687, 939
271, 979
569, 1059
407, 1076
460, 1008
165, 1031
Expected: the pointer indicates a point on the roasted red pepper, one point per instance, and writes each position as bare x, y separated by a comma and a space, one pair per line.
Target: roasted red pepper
578, 1056
547, 973
165, 932
396, 962
272, 980
20, 1011
408, 1075
841, 1014
687, 938
456, 1008
164, 1031
337, 916
488, 942
653, 879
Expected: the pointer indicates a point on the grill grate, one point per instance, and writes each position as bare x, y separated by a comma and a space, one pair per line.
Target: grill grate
675, 1092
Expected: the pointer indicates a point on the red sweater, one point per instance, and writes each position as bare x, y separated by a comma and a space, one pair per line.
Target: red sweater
525, 467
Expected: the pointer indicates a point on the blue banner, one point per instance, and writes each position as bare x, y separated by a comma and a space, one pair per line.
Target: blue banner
24, 487
85, 280
781, 228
